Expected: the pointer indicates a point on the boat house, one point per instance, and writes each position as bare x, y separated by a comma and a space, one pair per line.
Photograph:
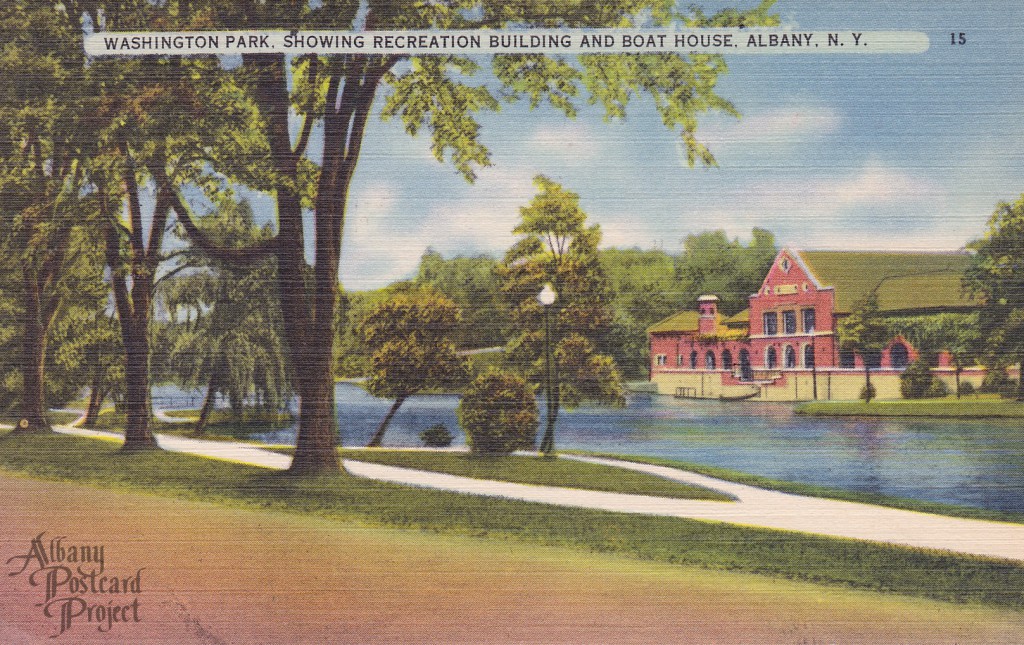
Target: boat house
785, 346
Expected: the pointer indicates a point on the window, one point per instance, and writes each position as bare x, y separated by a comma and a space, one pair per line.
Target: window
808, 320
771, 358
746, 373
847, 359
709, 361
873, 359
790, 358
693, 360
789, 322
679, 360
661, 359
771, 323
726, 360
808, 356
898, 355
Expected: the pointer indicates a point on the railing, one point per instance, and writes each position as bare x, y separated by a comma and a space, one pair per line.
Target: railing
686, 393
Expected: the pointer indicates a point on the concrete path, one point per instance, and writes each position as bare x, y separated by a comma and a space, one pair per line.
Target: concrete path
753, 506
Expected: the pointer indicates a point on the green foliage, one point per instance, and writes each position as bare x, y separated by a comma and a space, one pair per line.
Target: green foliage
498, 413
471, 284
966, 388
437, 436
998, 382
712, 264
410, 337
996, 274
867, 393
556, 247
225, 330
956, 333
917, 381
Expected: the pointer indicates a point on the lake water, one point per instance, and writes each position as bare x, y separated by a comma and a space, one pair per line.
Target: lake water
975, 463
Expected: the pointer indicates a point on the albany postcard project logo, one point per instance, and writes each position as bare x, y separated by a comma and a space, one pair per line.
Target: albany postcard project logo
75, 586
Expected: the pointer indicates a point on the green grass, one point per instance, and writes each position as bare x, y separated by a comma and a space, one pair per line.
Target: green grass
711, 545
949, 407
55, 418
813, 490
537, 470
222, 424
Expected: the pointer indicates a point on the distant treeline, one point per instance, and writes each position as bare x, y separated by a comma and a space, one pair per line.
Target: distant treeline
645, 286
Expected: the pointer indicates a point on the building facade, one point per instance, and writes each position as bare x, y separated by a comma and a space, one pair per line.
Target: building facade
785, 346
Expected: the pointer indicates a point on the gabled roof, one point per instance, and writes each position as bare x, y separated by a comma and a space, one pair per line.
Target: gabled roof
902, 281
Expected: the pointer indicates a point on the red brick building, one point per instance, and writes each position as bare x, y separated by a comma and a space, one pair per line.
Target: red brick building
785, 345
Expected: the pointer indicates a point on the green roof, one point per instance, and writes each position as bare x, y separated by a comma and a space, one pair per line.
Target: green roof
902, 281
682, 321
740, 319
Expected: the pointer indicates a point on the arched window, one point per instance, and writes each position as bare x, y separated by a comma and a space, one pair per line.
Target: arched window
726, 360
709, 361
808, 356
693, 360
847, 359
790, 357
898, 355
771, 358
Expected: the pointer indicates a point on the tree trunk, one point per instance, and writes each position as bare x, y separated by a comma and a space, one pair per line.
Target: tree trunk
378, 436
204, 413
96, 397
33, 363
318, 428
867, 382
138, 406
957, 373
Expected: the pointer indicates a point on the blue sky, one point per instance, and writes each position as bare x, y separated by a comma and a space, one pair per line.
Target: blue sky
832, 152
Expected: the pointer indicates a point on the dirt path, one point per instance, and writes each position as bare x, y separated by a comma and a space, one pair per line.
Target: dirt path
753, 506
215, 575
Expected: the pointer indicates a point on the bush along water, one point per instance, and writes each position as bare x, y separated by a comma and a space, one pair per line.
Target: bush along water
498, 413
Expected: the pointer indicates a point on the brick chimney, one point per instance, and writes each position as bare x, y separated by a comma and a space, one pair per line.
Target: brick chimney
708, 306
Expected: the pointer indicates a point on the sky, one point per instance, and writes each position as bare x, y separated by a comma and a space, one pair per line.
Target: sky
895, 152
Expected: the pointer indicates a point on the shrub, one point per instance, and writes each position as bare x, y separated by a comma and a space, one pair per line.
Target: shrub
937, 389
917, 381
498, 413
996, 381
965, 389
867, 393
437, 436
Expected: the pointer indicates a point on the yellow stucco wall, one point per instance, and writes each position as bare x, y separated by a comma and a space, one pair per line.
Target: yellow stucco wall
837, 385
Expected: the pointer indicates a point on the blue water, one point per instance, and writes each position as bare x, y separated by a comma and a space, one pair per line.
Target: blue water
974, 463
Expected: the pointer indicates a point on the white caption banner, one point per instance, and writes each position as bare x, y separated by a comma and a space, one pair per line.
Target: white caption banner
538, 41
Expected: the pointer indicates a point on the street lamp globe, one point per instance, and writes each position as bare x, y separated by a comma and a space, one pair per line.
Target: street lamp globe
547, 296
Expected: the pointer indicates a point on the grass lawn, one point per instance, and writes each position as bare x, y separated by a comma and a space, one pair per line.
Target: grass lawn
813, 490
711, 545
537, 470
54, 417
221, 425
949, 407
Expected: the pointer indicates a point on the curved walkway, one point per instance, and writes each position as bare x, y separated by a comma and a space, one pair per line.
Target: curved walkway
753, 506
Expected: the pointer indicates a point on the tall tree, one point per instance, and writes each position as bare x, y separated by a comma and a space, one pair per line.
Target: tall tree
231, 339
410, 337
866, 333
430, 93
996, 274
45, 139
713, 264
555, 344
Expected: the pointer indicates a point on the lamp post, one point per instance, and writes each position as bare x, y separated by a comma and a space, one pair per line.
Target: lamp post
546, 298
814, 364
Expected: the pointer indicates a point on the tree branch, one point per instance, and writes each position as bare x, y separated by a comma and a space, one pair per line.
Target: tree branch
229, 255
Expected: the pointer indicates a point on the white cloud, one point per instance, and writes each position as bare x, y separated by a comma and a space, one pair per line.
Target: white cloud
778, 127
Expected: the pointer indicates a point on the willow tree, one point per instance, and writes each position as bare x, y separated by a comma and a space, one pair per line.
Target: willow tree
436, 94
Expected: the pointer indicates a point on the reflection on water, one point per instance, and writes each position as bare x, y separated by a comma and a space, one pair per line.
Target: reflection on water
977, 463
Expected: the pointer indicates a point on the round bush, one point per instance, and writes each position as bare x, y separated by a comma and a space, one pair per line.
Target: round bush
917, 381
937, 389
436, 436
498, 413
966, 389
867, 393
